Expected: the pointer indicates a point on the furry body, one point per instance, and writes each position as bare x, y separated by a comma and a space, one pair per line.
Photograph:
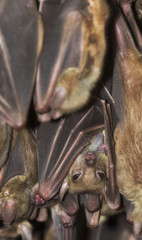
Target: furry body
128, 136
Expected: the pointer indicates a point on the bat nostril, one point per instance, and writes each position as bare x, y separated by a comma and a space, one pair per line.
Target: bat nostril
100, 174
90, 159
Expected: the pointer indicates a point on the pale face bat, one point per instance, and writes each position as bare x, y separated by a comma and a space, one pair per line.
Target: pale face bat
72, 59
64, 141
128, 136
21, 37
90, 169
20, 175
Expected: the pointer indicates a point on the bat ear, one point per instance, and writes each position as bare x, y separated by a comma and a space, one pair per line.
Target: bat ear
64, 189
97, 142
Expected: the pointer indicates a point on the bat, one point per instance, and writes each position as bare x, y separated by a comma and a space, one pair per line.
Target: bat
73, 55
19, 177
128, 135
21, 38
65, 140
89, 170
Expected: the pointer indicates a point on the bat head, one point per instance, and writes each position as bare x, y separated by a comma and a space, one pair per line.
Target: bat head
89, 171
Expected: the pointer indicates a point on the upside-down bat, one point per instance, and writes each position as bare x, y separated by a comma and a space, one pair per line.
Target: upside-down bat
21, 37
128, 134
90, 169
73, 54
60, 142
18, 179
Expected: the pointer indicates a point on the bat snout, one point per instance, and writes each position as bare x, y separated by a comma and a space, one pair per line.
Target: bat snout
90, 159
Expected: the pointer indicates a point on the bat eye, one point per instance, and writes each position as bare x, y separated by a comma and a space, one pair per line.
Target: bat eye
76, 176
100, 175
90, 159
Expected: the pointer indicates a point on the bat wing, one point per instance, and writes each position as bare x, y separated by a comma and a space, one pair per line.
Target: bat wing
62, 34
20, 46
112, 193
15, 163
62, 145
22, 145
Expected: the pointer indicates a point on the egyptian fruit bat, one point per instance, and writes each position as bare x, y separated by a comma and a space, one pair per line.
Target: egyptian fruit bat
89, 170
128, 134
20, 175
73, 54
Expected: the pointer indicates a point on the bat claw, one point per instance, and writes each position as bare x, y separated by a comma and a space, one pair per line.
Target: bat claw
58, 97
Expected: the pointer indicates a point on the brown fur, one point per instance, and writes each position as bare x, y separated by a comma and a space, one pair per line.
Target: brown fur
89, 181
128, 138
19, 187
79, 82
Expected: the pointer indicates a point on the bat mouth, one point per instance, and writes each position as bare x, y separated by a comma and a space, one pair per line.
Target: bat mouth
38, 200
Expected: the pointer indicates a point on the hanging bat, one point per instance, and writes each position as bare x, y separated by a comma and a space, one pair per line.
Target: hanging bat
90, 169
20, 176
128, 132
60, 142
21, 37
73, 54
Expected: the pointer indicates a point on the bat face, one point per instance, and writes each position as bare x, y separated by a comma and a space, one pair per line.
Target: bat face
18, 178
70, 70
128, 137
89, 171
21, 37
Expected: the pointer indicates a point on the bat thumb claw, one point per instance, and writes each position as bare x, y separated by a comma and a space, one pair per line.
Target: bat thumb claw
63, 190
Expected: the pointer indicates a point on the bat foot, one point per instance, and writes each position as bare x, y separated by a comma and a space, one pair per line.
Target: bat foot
58, 97
52, 114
